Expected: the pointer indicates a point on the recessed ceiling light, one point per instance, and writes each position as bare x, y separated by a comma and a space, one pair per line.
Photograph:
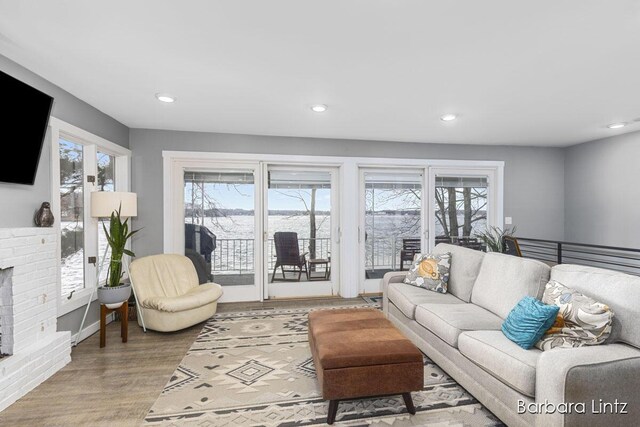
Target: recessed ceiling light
616, 125
319, 108
165, 97
448, 117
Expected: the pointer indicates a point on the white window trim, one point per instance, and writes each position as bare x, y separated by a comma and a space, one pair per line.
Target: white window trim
59, 128
349, 281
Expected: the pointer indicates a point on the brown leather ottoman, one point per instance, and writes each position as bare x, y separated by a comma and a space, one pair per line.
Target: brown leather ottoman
359, 353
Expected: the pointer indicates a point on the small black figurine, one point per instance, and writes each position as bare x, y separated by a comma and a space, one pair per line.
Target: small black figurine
44, 216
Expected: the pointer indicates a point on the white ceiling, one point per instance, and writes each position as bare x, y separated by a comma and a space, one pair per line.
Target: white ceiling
550, 72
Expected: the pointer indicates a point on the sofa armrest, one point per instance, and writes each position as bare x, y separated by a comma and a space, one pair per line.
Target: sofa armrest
594, 378
390, 277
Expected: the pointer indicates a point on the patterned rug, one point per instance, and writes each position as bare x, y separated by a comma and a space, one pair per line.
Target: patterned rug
255, 369
373, 299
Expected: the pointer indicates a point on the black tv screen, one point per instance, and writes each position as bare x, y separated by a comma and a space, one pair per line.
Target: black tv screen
24, 115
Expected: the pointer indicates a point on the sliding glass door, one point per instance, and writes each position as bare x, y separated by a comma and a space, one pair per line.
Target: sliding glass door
300, 231
391, 222
404, 212
287, 250
220, 229
270, 226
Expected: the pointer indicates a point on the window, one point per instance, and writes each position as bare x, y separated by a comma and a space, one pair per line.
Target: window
465, 200
461, 208
220, 224
82, 163
392, 220
71, 217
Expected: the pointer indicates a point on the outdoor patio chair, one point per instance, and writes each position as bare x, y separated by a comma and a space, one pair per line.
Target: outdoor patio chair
470, 242
510, 246
410, 247
288, 255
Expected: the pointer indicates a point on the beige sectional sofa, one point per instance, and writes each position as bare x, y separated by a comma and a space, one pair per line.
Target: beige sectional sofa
460, 331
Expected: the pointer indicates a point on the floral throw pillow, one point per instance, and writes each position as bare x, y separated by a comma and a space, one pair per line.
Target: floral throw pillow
430, 272
580, 321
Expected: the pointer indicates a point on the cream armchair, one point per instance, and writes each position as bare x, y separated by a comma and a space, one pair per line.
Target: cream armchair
168, 292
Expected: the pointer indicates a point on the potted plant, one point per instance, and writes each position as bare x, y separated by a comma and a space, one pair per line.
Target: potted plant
114, 293
493, 238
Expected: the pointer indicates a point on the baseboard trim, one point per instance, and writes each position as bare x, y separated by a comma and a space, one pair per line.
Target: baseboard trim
90, 329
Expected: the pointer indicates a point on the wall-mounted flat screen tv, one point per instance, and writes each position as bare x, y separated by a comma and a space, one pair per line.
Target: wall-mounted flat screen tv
24, 116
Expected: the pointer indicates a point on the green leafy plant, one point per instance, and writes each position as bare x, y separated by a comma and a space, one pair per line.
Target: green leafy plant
493, 238
117, 237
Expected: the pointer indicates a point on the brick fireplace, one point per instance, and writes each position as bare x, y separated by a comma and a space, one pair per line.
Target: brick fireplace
32, 348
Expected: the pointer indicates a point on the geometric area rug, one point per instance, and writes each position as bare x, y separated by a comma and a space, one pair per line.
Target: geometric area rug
254, 368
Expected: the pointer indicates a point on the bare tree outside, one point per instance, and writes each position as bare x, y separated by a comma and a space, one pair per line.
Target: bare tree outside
393, 215
203, 208
468, 204
308, 200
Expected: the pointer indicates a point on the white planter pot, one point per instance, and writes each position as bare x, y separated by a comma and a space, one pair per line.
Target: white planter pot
114, 297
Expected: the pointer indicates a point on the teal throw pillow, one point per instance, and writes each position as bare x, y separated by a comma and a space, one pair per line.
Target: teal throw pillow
528, 321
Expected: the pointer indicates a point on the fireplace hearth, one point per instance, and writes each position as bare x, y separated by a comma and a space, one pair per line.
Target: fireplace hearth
33, 349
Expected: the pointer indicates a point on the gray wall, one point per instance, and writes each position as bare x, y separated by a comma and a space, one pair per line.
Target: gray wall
534, 177
21, 201
602, 186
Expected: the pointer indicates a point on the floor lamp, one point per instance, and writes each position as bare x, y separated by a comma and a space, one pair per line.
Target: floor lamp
103, 204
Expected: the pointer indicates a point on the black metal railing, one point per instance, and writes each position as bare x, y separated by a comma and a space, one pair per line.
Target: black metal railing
626, 260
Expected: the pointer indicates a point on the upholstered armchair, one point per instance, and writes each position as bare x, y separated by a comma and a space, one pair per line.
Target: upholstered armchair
169, 294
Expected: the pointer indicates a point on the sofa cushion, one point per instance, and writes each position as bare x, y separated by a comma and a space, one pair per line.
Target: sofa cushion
448, 321
465, 265
430, 271
621, 292
193, 298
581, 320
504, 279
502, 358
408, 297
528, 321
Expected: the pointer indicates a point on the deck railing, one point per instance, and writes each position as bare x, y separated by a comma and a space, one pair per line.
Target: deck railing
384, 252
236, 256
626, 260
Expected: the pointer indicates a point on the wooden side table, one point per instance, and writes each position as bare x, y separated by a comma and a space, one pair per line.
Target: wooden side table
124, 322
313, 263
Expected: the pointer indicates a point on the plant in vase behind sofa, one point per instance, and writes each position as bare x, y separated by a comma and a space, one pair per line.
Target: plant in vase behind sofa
114, 293
493, 238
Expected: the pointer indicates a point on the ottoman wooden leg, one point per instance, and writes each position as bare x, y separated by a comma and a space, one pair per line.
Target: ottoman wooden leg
333, 410
408, 401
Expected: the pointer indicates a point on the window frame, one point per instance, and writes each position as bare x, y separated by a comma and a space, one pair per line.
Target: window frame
91, 145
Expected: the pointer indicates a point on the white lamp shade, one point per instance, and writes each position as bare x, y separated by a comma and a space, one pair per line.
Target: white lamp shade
103, 203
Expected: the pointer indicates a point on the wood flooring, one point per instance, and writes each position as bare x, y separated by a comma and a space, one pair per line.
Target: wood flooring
116, 385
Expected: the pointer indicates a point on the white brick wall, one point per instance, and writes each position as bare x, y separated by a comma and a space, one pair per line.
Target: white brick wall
38, 351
